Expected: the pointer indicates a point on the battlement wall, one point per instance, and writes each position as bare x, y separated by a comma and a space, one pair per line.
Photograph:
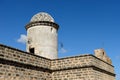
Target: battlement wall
71, 62
55, 64
19, 56
83, 67
80, 62
19, 65
102, 64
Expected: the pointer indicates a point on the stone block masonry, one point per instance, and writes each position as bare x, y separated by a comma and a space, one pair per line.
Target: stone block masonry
83, 67
19, 65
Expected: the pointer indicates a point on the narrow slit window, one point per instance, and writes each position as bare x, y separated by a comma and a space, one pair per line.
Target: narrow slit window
103, 53
51, 29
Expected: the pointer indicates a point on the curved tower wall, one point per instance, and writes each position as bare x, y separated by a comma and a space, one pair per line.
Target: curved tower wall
42, 39
42, 36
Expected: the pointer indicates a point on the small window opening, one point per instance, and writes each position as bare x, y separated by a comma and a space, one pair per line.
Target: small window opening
32, 50
103, 53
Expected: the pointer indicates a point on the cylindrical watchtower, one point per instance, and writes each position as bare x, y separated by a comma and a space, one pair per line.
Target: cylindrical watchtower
42, 36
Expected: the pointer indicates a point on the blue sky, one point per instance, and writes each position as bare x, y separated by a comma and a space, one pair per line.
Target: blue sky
85, 25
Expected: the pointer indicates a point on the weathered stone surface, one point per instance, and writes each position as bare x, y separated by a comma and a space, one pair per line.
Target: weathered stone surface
42, 36
19, 65
100, 53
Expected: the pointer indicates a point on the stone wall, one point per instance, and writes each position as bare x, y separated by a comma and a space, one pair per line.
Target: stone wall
81, 61
71, 62
19, 65
74, 74
84, 67
11, 72
98, 75
23, 57
81, 74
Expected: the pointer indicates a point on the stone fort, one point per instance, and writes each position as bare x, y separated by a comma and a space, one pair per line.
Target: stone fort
41, 62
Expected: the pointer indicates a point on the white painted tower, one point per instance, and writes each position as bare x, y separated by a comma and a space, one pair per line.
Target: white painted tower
42, 36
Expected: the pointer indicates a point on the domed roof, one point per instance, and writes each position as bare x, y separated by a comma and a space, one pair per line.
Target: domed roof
42, 16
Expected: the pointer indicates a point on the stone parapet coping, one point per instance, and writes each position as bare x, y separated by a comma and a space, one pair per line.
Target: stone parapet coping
83, 55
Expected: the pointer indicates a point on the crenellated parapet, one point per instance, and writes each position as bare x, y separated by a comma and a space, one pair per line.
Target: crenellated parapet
100, 53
